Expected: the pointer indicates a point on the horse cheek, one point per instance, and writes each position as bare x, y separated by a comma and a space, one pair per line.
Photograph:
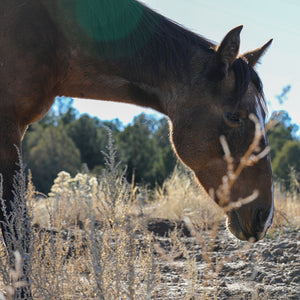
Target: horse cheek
187, 148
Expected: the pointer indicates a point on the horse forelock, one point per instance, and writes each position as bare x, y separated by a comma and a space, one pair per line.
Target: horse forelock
244, 74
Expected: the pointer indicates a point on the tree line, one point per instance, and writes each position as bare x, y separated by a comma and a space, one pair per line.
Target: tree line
285, 150
65, 140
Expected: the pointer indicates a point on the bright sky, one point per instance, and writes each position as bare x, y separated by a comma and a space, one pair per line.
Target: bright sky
262, 20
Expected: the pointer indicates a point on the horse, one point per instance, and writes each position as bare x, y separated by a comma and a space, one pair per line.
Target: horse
125, 52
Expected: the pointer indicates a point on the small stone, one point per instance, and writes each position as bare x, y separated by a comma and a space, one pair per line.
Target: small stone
277, 279
277, 251
294, 273
296, 279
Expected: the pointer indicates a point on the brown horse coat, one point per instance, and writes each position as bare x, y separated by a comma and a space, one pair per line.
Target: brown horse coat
123, 51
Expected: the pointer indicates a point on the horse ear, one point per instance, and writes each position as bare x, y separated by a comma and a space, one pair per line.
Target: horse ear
253, 57
225, 54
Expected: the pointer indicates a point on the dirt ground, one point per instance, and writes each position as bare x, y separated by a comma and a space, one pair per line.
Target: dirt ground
203, 265
228, 269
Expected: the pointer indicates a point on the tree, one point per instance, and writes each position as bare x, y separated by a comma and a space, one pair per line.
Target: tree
284, 147
165, 157
281, 132
64, 141
288, 157
90, 137
137, 150
145, 149
87, 137
64, 111
52, 152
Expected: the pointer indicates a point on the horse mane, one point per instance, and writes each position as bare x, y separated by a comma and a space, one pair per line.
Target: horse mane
170, 41
160, 43
152, 38
244, 74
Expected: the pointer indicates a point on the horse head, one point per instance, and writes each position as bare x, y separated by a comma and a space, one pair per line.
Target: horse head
220, 101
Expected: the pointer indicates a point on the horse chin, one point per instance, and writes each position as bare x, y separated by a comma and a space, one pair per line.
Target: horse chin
235, 229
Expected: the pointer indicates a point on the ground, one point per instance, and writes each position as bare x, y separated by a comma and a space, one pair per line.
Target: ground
230, 269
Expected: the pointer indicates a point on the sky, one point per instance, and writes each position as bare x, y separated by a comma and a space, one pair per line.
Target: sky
262, 20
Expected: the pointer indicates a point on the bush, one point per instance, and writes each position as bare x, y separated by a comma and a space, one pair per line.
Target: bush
288, 158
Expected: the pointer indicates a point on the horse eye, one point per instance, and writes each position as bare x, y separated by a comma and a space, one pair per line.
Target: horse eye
233, 119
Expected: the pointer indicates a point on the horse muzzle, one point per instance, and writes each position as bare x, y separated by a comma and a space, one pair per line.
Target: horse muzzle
250, 229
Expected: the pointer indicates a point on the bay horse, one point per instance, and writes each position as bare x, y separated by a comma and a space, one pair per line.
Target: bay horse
123, 51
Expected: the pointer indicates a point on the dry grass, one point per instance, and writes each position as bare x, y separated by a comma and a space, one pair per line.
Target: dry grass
102, 258
287, 209
90, 240
181, 196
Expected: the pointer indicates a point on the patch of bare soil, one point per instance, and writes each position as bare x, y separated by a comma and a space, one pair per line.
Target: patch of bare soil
228, 268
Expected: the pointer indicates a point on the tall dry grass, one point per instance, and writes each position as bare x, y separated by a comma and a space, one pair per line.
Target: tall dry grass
96, 251
181, 196
89, 238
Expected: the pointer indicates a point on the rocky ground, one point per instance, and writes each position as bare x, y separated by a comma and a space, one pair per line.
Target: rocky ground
228, 268
202, 265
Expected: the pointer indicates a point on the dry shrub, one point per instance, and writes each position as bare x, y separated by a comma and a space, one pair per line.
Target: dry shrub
109, 256
181, 196
88, 244
287, 209
68, 202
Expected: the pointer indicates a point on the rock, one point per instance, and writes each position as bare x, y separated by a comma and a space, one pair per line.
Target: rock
277, 279
296, 279
163, 227
294, 273
277, 252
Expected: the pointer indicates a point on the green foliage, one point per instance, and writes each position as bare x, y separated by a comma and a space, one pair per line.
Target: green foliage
288, 157
49, 151
281, 131
89, 139
165, 157
285, 147
136, 149
64, 141
145, 149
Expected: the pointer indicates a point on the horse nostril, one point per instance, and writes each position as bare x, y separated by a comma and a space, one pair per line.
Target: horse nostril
259, 219
259, 215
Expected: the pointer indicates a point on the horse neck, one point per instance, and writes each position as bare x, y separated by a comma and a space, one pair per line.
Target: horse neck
108, 80
149, 66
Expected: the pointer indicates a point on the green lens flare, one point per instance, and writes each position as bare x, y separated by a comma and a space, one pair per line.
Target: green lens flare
107, 20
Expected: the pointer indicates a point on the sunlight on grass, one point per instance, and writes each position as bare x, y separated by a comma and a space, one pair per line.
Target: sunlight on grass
89, 238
